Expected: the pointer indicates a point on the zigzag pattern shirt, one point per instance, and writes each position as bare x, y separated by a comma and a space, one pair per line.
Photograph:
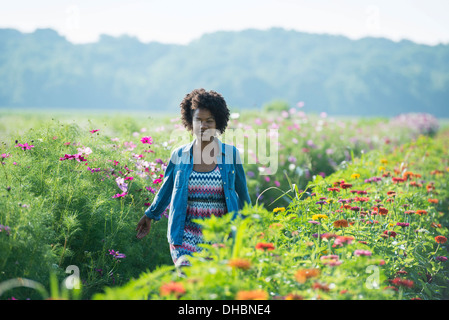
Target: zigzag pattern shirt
206, 197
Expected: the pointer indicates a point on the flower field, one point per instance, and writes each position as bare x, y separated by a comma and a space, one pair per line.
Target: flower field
357, 209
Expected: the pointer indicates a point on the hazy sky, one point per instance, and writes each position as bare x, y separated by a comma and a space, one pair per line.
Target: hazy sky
181, 21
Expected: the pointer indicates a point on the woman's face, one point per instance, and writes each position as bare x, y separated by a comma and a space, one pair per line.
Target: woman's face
204, 125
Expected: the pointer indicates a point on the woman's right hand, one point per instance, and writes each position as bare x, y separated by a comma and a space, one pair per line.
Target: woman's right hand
143, 227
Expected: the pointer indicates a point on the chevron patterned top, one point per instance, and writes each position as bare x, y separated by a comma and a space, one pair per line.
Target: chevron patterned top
205, 198
206, 195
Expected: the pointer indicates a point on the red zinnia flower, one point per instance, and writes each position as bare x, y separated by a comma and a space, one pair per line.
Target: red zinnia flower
402, 282
440, 239
390, 233
264, 246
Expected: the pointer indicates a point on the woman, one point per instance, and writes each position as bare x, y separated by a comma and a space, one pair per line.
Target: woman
203, 178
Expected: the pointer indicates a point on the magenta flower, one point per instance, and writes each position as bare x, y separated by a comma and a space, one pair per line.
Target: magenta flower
116, 254
156, 181
402, 224
77, 157
120, 195
5, 229
25, 146
148, 140
93, 131
151, 190
441, 258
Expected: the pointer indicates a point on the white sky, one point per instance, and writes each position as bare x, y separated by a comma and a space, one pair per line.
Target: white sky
181, 21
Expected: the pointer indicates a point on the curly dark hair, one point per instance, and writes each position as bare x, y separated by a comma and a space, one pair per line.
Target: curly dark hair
202, 99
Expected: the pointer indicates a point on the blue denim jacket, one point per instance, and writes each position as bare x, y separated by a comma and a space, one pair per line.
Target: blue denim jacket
174, 189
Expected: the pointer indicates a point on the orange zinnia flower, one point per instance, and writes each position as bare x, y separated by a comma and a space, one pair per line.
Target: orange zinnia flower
434, 225
440, 239
433, 200
303, 274
176, 288
252, 295
293, 296
239, 263
341, 223
421, 212
407, 175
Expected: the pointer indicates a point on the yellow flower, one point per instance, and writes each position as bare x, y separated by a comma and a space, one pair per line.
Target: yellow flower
281, 209
381, 168
319, 216
391, 224
383, 161
355, 175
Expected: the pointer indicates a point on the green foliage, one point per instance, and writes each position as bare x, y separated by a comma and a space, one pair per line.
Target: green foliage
61, 213
363, 260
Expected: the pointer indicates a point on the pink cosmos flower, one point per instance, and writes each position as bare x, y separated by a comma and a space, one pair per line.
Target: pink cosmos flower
85, 150
121, 184
94, 130
148, 140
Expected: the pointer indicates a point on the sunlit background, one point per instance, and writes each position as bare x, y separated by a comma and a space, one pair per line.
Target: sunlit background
178, 21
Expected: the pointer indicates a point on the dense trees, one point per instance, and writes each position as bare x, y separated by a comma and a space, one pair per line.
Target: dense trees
371, 76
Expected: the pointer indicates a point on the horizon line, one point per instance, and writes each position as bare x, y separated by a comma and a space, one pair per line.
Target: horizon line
126, 34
